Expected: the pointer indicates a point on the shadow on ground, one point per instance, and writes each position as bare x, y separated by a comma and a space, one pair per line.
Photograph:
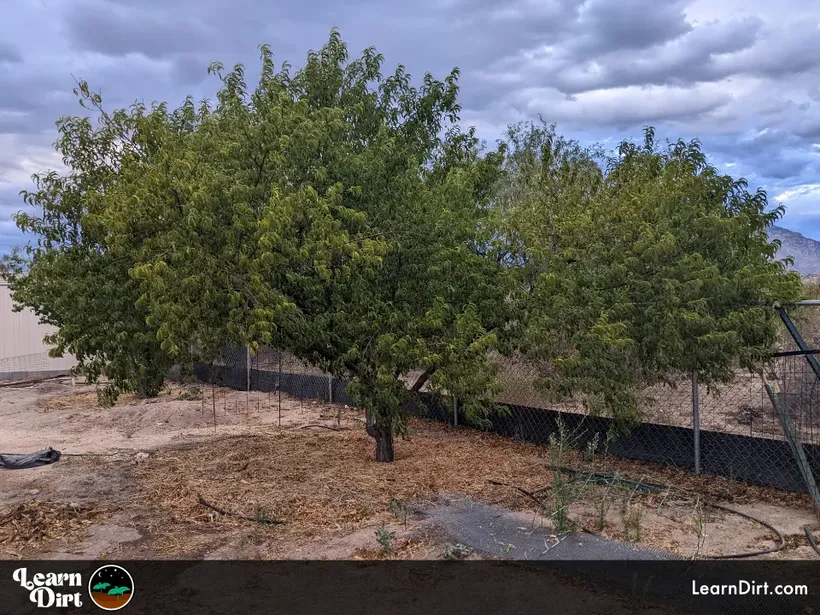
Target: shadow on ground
652, 575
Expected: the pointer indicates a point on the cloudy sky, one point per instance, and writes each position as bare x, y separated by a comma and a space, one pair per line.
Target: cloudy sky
743, 77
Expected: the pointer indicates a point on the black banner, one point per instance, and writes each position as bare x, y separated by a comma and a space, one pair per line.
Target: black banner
452, 587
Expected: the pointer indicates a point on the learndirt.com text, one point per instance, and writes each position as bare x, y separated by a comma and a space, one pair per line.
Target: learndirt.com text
749, 588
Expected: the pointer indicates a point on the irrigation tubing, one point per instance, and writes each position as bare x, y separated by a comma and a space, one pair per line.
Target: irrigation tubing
756, 520
651, 487
228, 513
809, 534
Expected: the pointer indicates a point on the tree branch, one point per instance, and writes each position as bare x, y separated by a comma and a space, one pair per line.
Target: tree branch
422, 380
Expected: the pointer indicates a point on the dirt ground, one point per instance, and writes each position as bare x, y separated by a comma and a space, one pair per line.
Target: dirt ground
153, 479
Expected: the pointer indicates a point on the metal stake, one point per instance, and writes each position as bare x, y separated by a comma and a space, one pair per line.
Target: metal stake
696, 418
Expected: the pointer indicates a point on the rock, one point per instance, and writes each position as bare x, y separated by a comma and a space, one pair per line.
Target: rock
142, 455
34, 492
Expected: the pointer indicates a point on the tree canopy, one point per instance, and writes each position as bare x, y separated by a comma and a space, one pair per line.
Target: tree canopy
332, 212
633, 267
347, 217
71, 277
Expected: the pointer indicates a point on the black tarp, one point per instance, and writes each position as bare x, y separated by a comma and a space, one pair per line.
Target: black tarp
31, 460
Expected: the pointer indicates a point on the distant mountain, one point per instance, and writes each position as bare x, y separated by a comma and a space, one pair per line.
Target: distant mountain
804, 251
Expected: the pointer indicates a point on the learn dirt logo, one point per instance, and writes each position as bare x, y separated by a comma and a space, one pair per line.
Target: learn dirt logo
111, 587
47, 590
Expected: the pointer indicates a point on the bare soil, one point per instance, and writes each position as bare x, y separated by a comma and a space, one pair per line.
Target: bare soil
133, 478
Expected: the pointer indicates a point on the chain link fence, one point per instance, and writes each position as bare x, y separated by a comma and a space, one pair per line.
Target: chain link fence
733, 430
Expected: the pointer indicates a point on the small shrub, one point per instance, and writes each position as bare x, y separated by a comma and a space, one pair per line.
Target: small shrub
632, 522
107, 396
399, 509
565, 491
386, 540
263, 515
191, 394
602, 507
456, 551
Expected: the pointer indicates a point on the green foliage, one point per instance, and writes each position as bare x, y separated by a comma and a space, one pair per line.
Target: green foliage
633, 268
263, 515
191, 394
347, 217
107, 396
386, 540
333, 212
71, 276
456, 551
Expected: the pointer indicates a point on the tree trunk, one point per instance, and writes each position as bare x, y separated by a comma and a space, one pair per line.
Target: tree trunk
384, 445
383, 434
147, 381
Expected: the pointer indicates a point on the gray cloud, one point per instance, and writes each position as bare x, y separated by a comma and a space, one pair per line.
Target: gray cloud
695, 56
744, 77
101, 27
605, 26
9, 54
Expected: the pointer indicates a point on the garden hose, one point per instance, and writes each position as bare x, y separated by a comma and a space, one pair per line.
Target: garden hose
809, 529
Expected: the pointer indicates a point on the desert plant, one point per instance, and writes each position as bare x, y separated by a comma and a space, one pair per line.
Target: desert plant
400, 509
386, 540
191, 394
602, 506
263, 515
591, 448
456, 551
699, 517
632, 522
107, 396
565, 490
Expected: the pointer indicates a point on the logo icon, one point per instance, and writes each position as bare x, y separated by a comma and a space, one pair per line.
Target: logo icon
111, 587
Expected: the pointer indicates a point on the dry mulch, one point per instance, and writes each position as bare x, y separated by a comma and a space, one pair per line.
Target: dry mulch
319, 481
326, 482
32, 524
323, 483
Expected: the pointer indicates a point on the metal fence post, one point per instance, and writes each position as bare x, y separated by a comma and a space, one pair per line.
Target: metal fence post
455, 411
330, 388
696, 418
248, 367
